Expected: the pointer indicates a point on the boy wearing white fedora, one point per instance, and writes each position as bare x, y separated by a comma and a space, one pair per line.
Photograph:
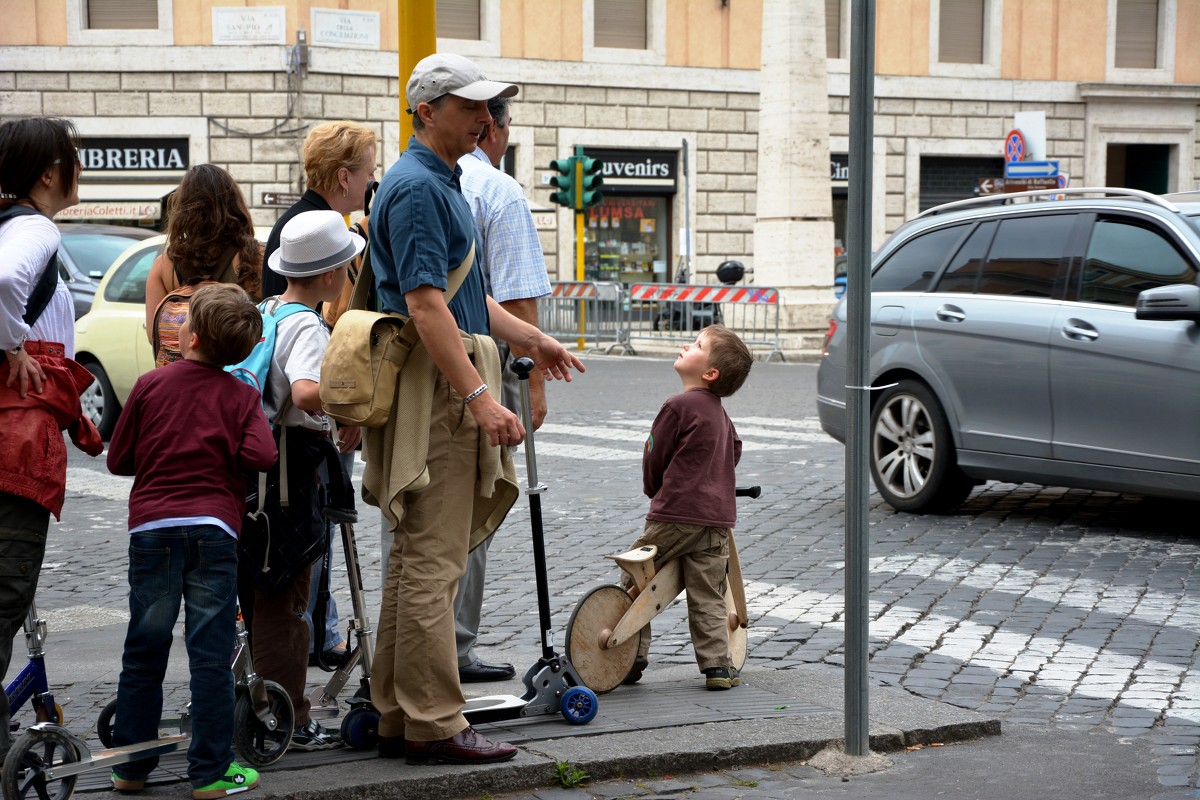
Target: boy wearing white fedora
314, 252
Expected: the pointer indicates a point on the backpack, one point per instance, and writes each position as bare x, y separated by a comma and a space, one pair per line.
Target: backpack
172, 310
255, 368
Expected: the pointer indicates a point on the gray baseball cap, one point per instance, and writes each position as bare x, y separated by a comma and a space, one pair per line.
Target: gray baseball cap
447, 73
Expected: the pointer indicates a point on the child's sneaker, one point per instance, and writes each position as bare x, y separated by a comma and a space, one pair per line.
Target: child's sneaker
721, 678
313, 737
126, 784
236, 779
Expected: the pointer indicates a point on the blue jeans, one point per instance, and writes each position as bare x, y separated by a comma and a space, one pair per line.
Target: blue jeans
198, 565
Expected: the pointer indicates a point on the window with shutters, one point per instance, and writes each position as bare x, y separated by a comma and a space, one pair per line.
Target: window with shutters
458, 19
625, 31
964, 38
1141, 39
620, 23
120, 22
122, 14
469, 27
837, 30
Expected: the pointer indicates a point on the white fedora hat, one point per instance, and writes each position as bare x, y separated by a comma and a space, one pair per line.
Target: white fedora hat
314, 242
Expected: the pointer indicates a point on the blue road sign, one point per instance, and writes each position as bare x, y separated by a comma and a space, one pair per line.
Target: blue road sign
1031, 169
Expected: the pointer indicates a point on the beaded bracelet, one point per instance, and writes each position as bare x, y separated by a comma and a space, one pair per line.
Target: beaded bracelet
475, 394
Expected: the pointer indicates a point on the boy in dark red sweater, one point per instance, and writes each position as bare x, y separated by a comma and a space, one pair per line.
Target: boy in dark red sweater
187, 434
688, 474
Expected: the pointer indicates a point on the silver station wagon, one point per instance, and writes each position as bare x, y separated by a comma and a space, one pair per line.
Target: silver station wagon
1025, 338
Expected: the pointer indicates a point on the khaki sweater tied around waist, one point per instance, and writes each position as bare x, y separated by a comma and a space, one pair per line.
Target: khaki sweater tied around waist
396, 454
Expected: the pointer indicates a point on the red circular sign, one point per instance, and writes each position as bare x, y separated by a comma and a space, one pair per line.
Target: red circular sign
1014, 146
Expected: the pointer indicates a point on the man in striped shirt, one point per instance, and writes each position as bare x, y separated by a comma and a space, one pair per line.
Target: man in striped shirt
515, 275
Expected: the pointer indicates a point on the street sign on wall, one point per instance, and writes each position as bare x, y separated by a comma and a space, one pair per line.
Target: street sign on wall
1005, 185
1030, 169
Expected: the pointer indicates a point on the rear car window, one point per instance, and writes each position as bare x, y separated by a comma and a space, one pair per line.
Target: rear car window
914, 265
962, 274
1126, 257
128, 283
1026, 255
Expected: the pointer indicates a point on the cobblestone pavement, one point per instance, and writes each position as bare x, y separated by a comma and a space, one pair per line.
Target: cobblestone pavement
1042, 606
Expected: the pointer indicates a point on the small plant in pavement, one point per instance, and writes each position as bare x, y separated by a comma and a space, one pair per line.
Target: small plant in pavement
569, 777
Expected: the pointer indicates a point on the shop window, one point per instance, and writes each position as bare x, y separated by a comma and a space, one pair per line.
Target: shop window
1136, 45
458, 19
620, 23
122, 14
625, 239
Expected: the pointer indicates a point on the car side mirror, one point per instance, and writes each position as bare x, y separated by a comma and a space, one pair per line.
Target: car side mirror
1175, 302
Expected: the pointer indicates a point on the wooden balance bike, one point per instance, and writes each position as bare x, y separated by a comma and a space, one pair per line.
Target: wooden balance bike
606, 627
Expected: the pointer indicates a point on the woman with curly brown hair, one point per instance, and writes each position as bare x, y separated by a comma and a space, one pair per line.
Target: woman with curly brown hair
210, 239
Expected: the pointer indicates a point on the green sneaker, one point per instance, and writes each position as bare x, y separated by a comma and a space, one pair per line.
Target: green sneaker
236, 779
126, 784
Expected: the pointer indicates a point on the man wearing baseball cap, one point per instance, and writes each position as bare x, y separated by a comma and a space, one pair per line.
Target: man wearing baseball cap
423, 230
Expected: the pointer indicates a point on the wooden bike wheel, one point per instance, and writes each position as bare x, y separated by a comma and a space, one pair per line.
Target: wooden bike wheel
600, 668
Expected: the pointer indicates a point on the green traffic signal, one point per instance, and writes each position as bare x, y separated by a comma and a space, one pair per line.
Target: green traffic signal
592, 182
564, 180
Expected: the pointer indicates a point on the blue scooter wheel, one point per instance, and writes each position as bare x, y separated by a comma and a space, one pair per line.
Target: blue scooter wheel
579, 705
360, 728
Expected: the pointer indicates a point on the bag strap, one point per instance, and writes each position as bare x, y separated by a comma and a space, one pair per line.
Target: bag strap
47, 282
224, 273
366, 278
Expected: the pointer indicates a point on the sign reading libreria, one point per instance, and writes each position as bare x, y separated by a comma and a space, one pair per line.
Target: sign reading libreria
112, 154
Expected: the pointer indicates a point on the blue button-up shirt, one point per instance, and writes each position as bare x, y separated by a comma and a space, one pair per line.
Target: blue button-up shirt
421, 228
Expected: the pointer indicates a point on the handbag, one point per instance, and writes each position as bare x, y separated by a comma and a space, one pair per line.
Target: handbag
366, 352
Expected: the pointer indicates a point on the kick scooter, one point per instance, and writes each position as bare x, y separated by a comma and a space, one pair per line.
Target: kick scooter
31, 683
551, 684
47, 759
607, 624
360, 726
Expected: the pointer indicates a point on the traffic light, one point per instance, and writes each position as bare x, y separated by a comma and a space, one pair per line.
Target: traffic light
592, 182
564, 180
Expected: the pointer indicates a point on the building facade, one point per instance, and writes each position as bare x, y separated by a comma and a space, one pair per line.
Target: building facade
666, 92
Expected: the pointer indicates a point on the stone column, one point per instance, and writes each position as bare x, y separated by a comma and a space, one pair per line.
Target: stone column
793, 230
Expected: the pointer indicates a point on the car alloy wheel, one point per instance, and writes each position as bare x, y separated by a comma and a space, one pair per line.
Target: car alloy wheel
912, 451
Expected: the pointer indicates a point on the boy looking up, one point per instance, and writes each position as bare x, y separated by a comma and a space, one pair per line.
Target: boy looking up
688, 474
187, 434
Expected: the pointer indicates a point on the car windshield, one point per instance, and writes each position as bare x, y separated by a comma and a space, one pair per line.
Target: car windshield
94, 253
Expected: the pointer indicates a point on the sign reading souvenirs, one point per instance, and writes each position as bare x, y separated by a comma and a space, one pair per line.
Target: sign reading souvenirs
637, 171
113, 154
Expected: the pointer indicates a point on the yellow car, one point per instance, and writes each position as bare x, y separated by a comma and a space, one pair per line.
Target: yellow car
110, 340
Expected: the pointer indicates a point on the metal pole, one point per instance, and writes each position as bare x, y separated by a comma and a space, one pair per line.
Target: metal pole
417, 27
579, 248
858, 293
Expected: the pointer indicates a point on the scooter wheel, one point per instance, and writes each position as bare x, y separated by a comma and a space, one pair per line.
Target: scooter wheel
107, 722
258, 744
360, 728
579, 705
28, 761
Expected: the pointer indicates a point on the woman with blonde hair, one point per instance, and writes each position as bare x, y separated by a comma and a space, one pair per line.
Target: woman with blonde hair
339, 164
210, 239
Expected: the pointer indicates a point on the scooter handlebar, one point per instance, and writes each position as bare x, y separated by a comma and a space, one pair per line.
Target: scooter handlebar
748, 491
522, 366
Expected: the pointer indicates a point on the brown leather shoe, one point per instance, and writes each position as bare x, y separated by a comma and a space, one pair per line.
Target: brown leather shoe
465, 747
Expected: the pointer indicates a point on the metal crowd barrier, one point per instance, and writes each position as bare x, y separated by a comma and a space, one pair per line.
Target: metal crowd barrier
674, 312
585, 311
